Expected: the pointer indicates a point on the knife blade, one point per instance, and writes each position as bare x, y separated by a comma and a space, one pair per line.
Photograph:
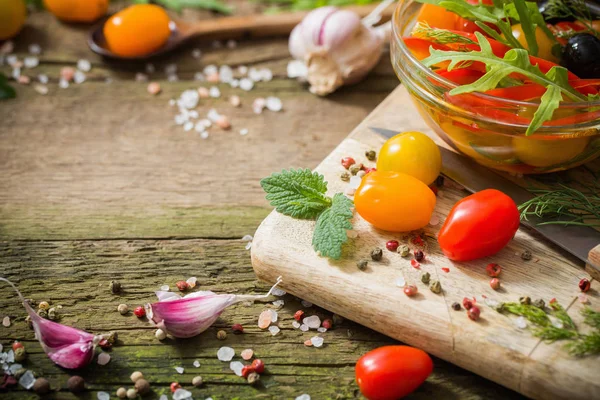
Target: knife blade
575, 239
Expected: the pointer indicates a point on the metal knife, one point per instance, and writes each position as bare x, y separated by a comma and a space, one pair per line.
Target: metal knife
577, 240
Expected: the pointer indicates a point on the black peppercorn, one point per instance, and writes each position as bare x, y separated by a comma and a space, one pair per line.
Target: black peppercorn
526, 300
439, 181
526, 255
115, 287
76, 384
419, 255
376, 254
539, 303
362, 264
456, 306
41, 386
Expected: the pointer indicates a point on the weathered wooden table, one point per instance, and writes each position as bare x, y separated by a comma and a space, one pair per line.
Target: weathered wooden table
98, 183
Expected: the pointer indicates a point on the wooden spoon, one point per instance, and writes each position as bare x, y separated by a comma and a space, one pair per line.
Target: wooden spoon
222, 28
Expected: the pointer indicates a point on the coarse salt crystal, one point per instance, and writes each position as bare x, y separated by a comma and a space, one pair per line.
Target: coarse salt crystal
306, 304
103, 358
401, 282
41, 89
210, 70
6, 321
196, 53
216, 44
196, 364
296, 69
491, 302
27, 380
235, 101
103, 396
234, 83
278, 303
79, 77
182, 394
188, 126
231, 44
303, 397
304, 327
312, 322
557, 323
12, 60
181, 119
321, 329
192, 281
163, 397
521, 322
35, 49
274, 316
248, 238
264, 319
296, 324
10, 356
43, 78
352, 234
583, 298
170, 69
266, 74
199, 76
204, 135
179, 370
243, 132
213, 78
355, 182
273, 103
16, 73
213, 115
247, 354
84, 65
150, 68
254, 74
242, 70
236, 367
172, 102
246, 84
172, 78
225, 353
278, 292
189, 99
214, 92
317, 341
31, 62
14, 368
274, 330
199, 127
225, 73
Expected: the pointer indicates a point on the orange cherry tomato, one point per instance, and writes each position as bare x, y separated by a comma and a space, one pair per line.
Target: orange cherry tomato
436, 17
77, 10
137, 30
12, 17
392, 372
394, 201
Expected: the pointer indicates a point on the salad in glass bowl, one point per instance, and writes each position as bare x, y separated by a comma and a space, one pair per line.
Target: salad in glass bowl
513, 84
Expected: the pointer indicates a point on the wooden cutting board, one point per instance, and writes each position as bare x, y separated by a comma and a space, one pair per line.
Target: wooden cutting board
492, 347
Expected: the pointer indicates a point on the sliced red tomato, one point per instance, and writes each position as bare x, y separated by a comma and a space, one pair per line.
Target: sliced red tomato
462, 76
528, 91
586, 86
565, 28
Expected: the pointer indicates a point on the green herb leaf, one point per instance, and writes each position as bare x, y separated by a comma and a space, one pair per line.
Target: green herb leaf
6, 91
591, 317
178, 5
330, 231
298, 193
442, 36
586, 345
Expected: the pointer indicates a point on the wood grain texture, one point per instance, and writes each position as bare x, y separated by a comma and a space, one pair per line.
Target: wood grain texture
492, 347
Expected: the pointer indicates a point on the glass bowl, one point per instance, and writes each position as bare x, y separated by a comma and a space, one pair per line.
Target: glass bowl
489, 129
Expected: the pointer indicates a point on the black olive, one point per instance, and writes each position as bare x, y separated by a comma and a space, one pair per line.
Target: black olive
592, 5
581, 55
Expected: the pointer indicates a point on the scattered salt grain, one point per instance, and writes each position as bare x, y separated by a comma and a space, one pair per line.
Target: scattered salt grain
274, 316
401, 282
317, 341
188, 126
141, 77
84, 65
278, 303
182, 394
258, 105
243, 132
296, 69
103, 358
196, 53
43, 78
242, 70
247, 354
434, 220
12, 60
491, 302
6, 321
79, 77
14, 368
235, 101
234, 83
306, 304
150, 68
246, 84
352, 234
189, 99
199, 127
170, 69
27, 380
172, 78
31, 62
274, 330
204, 135
264, 319
214, 92
254, 74
355, 182
274, 103
213, 115
10, 356
41, 89
231, 44
210, 70
199, 76
163, 397
225, 353
312, 322
225, 73
16, 73
296, 324
557, 323
192, 282
321, 329
172, 102
278, 292
103, 396
196, 364
181, 119
236, 367
521, 322
179, 370
303, 397
35, 49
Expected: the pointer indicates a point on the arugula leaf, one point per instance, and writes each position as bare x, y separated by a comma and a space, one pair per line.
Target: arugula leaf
6, 91
530, 17
298, 193
178, 5
549, 100
330, 231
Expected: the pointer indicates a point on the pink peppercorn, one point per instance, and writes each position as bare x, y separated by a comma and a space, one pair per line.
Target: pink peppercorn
367, 170
298, 315
139, 312
347, 162
584, 285
446, 270
467, 303
415, 263
258, 365
17, 345
410, 290
392, 245
104, 344
182, 286
246, 370
237, 328
175, 386
493, 269
473, 313
327, 324
495, 283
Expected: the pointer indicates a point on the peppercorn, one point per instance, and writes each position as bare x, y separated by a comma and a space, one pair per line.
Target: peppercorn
44, 305
258, 365
253, 378
495, 283
362, 264
345, 176
182, 286
174, 386
526, 300
327, 324
139, 312
115, 287
493, 269
337, 320
354, 168
122, 393
76, 384
246, 370
436, 287
17, 345
28, 321
104, 344
221, 335
584, 285
404, 250
368, 170
42, 313
142, 386
52, 314
410, 290
392, 245
112, 337
419, 255
298, 315
132, 394
456, 306
237, 328
135, 376
473, 313
415, 263
20, 354
439, 181
467, 303
425, 277
526, 255
376, 254
41, 386
371, 155
123, 309
347, 162
197, 381
160, 334
539, 303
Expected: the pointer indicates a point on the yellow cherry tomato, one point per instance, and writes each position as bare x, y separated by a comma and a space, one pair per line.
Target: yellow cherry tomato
77, 10
137, 30
394, 201
544, 42
412, 153
12, 17
547, 152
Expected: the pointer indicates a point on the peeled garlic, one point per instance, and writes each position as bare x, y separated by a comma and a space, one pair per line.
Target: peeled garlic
337, 47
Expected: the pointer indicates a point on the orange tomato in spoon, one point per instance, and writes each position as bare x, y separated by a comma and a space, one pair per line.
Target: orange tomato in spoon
137, 30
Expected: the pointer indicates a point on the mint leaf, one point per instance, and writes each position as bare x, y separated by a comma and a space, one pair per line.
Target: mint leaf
298, 193
330, 231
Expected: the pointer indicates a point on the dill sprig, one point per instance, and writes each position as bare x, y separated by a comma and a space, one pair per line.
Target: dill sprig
532, 313
559, 312
552, 333
585, 345
564, 205
564, 9
442, 36
591, 317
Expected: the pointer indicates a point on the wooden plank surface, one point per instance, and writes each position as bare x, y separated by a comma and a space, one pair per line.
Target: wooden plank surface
98, 183
492, 347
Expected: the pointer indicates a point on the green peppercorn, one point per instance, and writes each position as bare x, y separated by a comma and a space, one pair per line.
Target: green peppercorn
221, 335
20, 354
404, 250
345, 176
376, 254
253, 378
52, 314
425, 277
42, 313
44, 305
28, 321
526, 300
456, 306
354, 168
112, 337
362, 264
436, 287
371, 155
526, 255
539, 303
115, 287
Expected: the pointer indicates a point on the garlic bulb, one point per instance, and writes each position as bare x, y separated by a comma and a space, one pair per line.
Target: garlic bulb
337, 47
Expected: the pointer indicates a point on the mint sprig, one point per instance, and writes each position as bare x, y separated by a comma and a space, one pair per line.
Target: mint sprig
514, 61
300, 193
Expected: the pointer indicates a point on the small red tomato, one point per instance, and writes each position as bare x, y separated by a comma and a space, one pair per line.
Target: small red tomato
246, 370
139, 312
17, 345
410, 290
175, 386
347, 162
473, 313
493, 269
258, 365
495, 283
298, 315
392, 372
467, 303
392, 245
479, 225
